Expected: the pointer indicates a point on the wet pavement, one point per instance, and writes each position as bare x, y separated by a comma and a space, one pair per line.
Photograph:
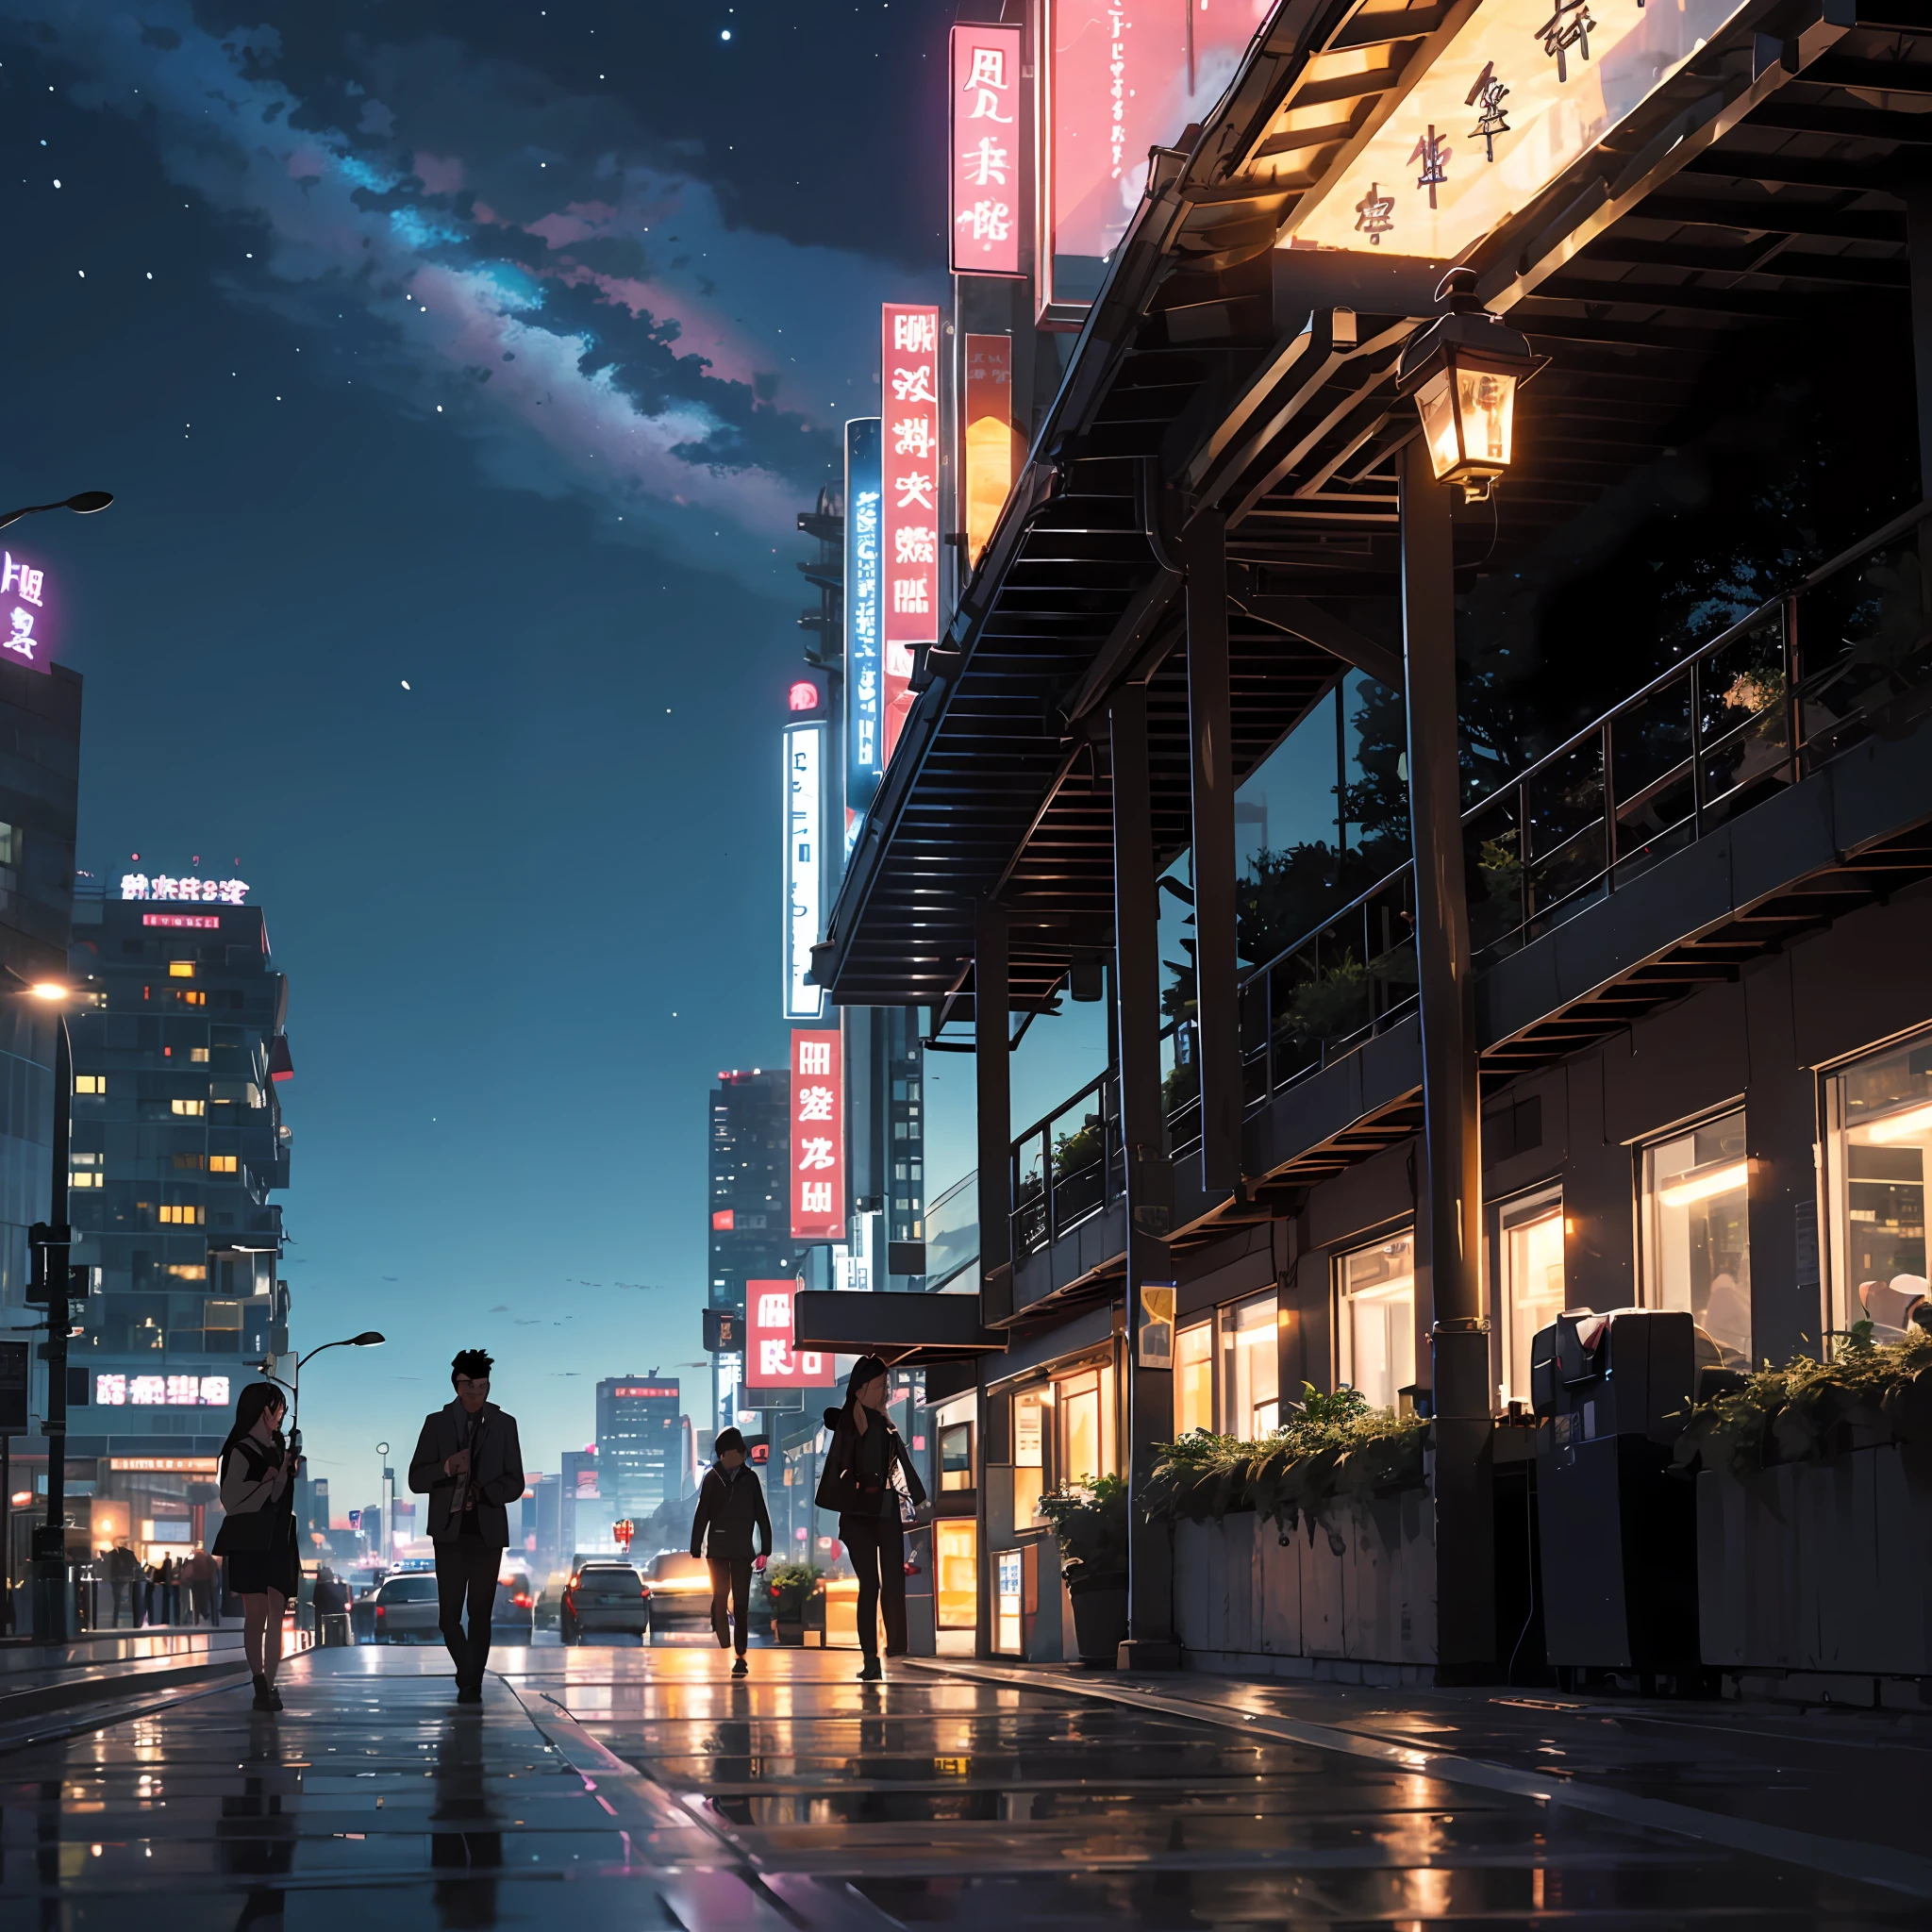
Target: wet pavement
646, 1788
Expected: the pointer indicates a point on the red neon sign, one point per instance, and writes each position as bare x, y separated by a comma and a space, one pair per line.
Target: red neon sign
985, 168
910, 519
774, 1362
818, 1138
803, 696
200, 922
723, 1220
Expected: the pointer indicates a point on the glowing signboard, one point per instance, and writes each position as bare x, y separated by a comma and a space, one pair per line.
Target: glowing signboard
161, 1392
818, 1138
137, 885
1519, 92
805, 865
865, 751
803, 695
984, 166
992, 457
774, 1362
646, 1390
1122, 76
909, 517
23, 613
194, 921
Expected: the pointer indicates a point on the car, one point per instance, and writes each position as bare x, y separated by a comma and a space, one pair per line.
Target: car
681, 1588
513, 1618
405, 1611
604, 1598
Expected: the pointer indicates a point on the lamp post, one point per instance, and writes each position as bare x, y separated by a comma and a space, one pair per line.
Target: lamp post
386, 1487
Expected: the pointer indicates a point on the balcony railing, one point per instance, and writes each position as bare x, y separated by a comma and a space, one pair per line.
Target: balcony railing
1845, 655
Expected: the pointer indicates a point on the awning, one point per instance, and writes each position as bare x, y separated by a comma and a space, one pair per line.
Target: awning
908, 1330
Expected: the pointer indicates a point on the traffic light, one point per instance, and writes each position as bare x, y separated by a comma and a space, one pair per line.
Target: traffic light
723, 1331
41, 1238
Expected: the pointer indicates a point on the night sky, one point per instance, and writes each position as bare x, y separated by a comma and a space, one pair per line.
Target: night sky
490, 350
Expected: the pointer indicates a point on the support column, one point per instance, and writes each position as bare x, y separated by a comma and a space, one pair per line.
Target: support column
1149, 1644
993, 1083
1918, 201
1449, 1239
1218, 1037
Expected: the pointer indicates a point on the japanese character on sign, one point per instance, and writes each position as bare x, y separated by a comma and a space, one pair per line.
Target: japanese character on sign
774, 1310
816, 1152
913, 385
28, 580
913, 437
915, 543
814, 1197
814, 1056
986, 163
815, 1104
1569, 26
1493, 118
910, 597
989, 68
22, 638
987, 221
774, 1358
916, 332
915, 487
1432, 150
1374, 214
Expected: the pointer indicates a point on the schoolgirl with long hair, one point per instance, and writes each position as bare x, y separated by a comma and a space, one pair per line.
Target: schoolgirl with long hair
257, 1535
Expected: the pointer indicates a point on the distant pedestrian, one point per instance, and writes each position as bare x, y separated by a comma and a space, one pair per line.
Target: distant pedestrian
258, 1534
170, 1590
469, 1463
150, 1578
123, 1585
731, 1503
861, 1481
199, 1573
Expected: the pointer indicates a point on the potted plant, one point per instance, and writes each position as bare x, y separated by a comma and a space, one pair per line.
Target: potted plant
790, 1586
1090, 1524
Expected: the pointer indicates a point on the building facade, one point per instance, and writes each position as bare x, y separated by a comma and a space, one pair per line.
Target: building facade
639, 1444
178, 1144
750, 1234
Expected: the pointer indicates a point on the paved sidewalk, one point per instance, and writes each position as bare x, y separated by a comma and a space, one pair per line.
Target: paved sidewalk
646, 1788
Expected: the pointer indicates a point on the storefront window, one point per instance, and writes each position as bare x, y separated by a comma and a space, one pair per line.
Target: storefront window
1377, 1326
955, 1554
1029, 1439
1193, 1378
1532, 1286
1082, 1454
1881, 1116
1696, 1235
1250, 1369
955, 1457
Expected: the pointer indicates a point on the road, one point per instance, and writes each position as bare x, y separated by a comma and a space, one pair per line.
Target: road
662, 1794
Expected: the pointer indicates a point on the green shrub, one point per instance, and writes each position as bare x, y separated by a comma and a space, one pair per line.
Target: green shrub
1090, 1524
790, 1586
1805, 1410
1333, 1451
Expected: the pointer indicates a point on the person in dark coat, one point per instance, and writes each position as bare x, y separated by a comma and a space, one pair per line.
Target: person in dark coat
258, 1534
731, 1503
862, 1481
470, 1464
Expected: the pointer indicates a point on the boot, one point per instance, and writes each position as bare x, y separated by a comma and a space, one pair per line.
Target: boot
264, 1697
873, 1672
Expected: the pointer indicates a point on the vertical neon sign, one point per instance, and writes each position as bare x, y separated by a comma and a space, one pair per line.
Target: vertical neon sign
865, 744
909, 521
805, 865
985, 168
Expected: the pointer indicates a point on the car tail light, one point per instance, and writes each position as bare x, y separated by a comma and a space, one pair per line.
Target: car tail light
644, 1590
523, 1603
381, 1611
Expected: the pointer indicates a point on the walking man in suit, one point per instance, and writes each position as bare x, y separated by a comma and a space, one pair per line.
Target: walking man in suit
469, 1463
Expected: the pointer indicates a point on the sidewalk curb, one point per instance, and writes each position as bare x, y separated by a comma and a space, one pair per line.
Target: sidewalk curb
1852, 1860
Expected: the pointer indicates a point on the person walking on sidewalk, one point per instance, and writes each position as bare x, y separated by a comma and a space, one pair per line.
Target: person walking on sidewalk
257, 1533
469, 1463
170, 1591
199, 1573
731, 1503
861, 1481
123, 1585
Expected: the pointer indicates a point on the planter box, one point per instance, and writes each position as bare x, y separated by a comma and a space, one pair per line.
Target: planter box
1818, 1566
1240, 1594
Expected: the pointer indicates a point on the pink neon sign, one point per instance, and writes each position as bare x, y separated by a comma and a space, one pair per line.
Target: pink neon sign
22, 613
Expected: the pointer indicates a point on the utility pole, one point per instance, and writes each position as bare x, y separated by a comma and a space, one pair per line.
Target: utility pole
48, 1242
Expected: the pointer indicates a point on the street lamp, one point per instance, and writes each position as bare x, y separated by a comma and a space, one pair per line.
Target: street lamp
86, 504
385, 1478
1463, 372
270, 1365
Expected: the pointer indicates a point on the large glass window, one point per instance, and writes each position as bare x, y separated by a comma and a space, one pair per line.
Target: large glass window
1532, 1285
1030, 1412
1696, 1233
1377, 1319
1193, 1378
1250, 1369
1881, 1118
1080, 1446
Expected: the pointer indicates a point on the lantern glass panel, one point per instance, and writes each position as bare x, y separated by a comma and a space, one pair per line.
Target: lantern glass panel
1436, 399
1486, 400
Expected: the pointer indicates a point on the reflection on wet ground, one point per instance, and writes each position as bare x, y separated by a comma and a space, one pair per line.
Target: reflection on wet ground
662, 1792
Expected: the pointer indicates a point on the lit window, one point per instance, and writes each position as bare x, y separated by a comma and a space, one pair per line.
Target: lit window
90, 1083
198, 1055
193, 999
178, 1214
1377, 1326
224, 1163
1080, 1443
1532, 1286
87, 1177
180, 969
1193, 1378
189, 1106
1250, 1369
955, 1457
1696, 1236
1881, 1130
192, 1162
187, 1270
1029, 1440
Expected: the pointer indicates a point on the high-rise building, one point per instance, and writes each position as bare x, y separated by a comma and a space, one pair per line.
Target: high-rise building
638, 1442
751, 1229
177, 1143
582, 1520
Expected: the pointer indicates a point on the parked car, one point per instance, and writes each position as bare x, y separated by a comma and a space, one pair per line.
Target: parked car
550, 1601
680, 1590
405, 1611
513, 1618
604, 1598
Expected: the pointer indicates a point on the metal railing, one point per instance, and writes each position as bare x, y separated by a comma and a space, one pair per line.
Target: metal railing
1845, 655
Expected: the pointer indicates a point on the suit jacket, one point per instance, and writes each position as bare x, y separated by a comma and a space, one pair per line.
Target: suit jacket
497, 1470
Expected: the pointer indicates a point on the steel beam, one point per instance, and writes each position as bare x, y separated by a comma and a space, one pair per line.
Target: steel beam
1449, 1244
1149, 1644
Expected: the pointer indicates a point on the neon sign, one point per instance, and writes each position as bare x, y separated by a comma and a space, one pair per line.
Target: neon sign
161, 1392
864, 697
22, 600
910, 506
805, 865
803, 696
137, 885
